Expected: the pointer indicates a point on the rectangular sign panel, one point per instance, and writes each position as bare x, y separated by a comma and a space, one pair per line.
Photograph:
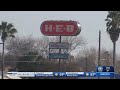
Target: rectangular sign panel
57, 45
58, 56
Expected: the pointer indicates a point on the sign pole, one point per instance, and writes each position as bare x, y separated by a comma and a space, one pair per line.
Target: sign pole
59, 59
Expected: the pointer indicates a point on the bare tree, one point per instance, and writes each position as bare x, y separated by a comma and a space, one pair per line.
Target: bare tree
43, 45
74, 41
20, 45
87, 59
90, 56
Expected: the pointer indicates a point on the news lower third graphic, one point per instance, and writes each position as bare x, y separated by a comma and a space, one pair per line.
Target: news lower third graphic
101, 71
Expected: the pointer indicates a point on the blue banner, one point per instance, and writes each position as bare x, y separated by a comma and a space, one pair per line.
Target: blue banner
105, 74
75, 74
62, 74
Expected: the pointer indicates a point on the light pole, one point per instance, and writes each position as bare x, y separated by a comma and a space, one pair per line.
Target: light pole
99, 53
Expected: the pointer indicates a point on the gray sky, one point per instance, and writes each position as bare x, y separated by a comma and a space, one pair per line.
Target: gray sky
28, 22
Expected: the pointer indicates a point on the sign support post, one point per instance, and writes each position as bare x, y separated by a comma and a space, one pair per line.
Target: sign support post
60, 59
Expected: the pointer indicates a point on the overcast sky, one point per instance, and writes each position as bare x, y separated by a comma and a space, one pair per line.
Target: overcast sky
28, 22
